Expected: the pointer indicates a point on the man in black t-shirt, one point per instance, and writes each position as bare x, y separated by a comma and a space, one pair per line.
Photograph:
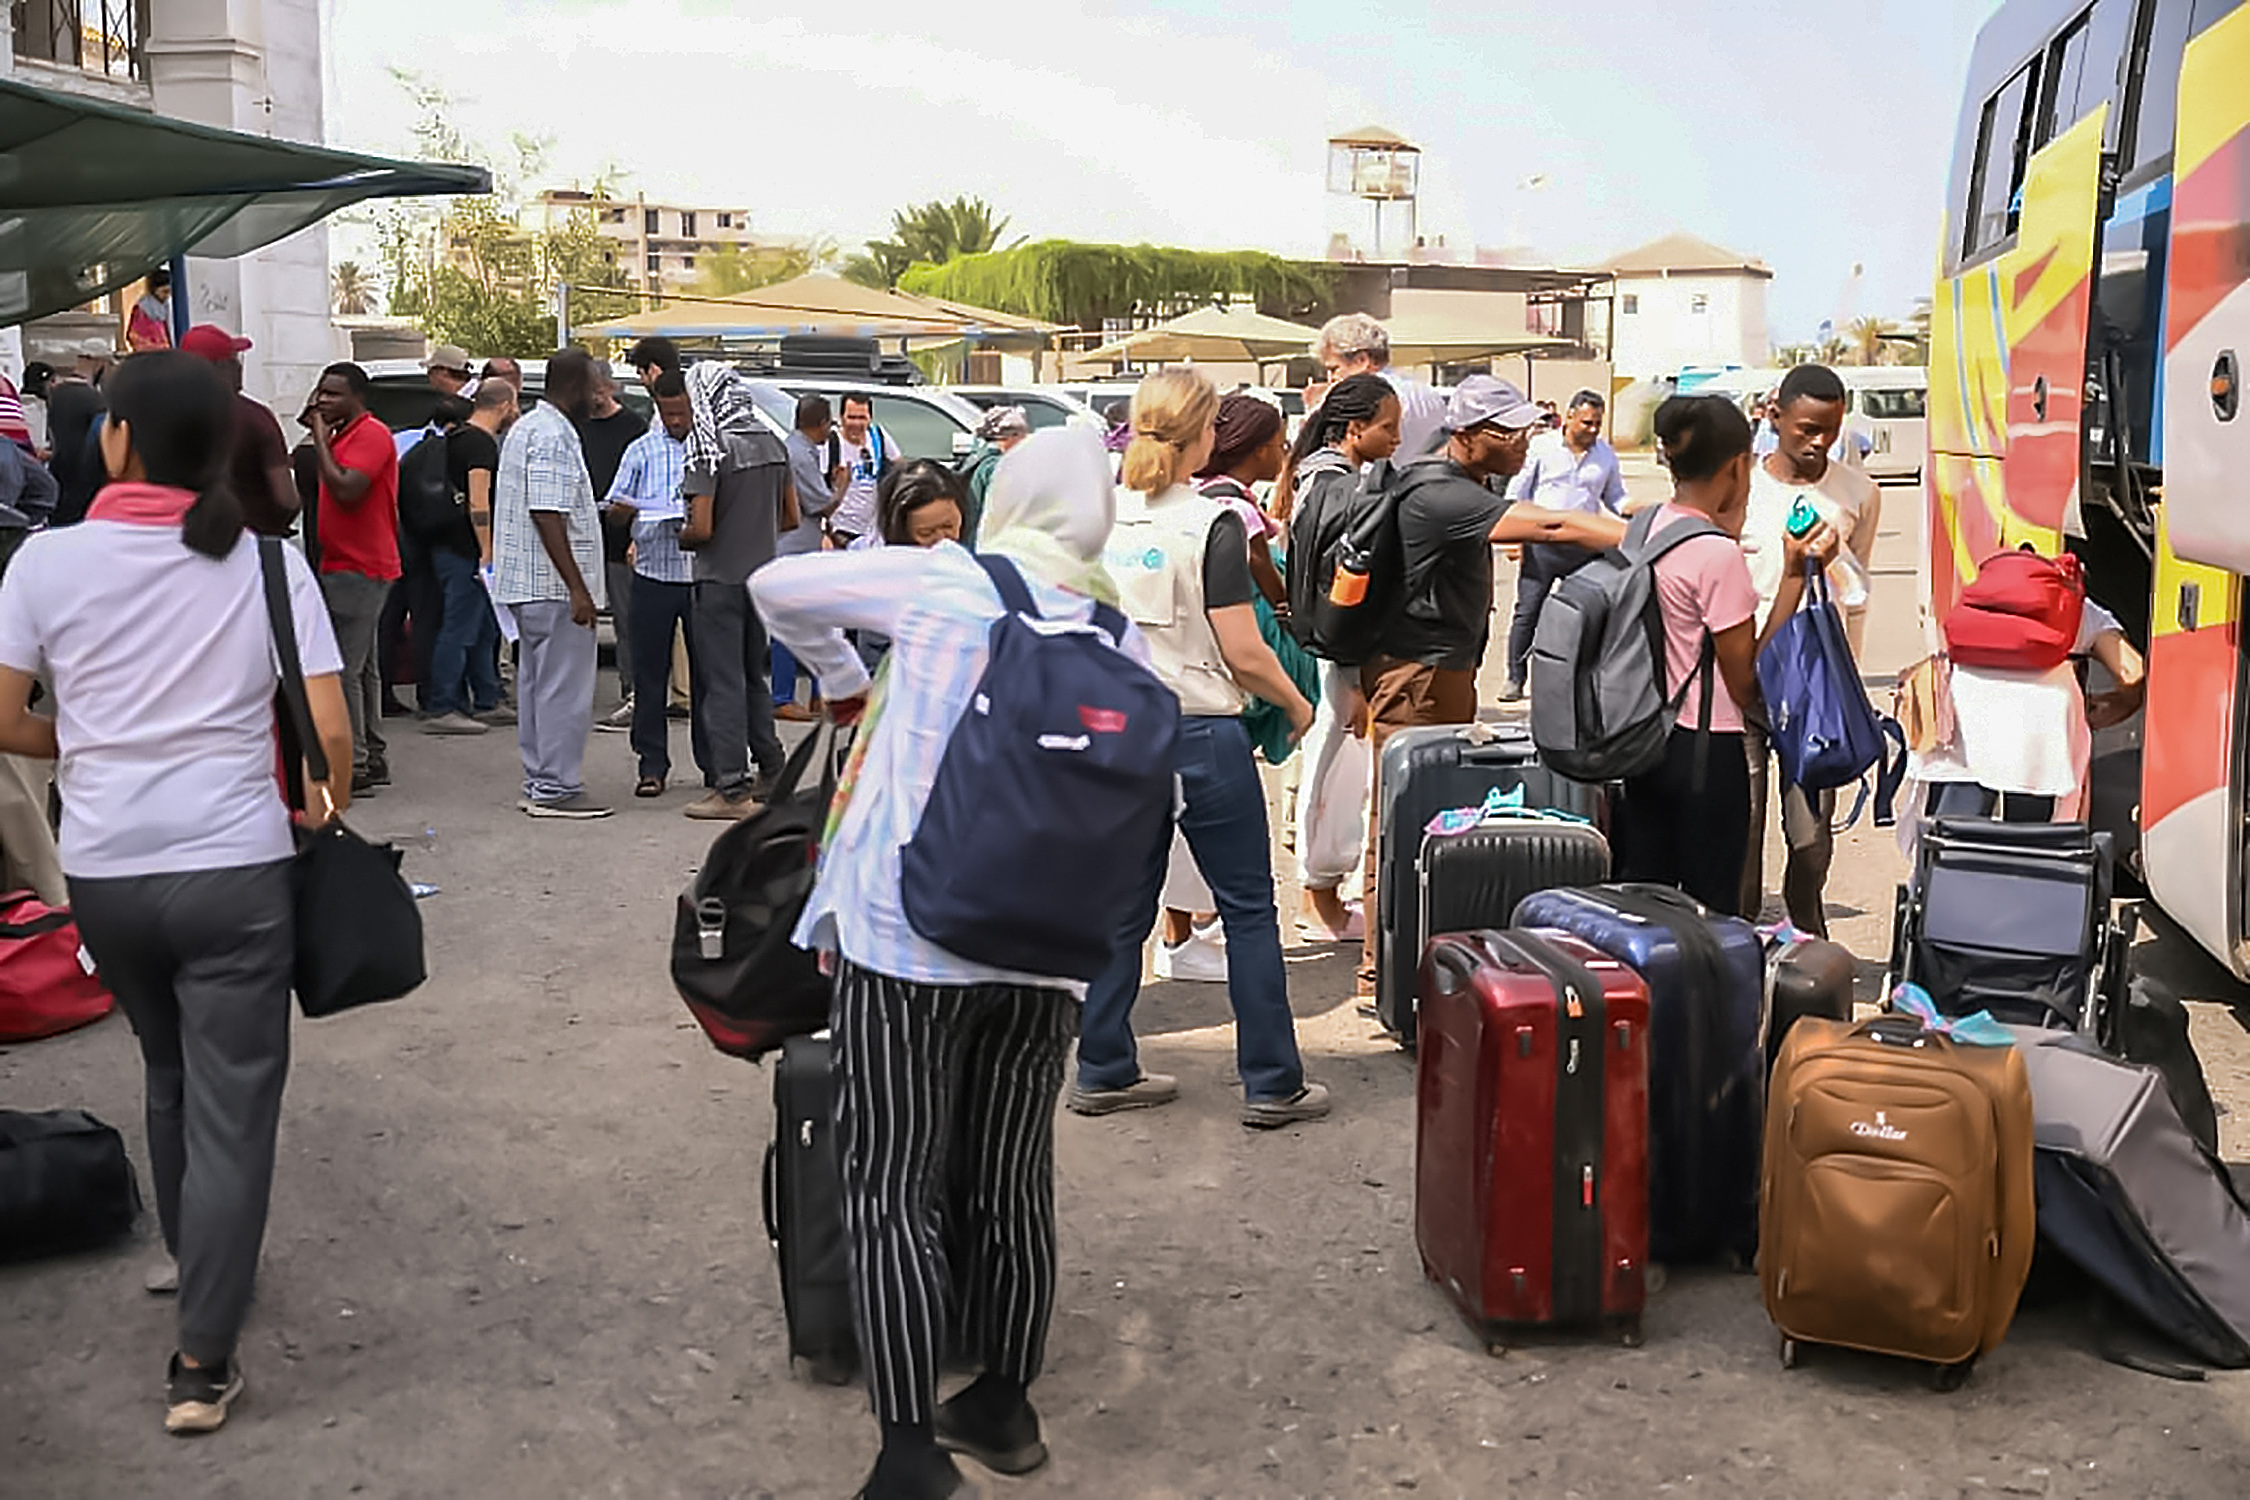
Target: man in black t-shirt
464, 694
605, 433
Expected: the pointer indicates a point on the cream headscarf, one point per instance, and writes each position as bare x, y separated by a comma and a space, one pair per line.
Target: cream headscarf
1051, 508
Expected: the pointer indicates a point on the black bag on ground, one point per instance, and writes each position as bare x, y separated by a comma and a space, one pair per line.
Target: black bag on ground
748, 985
805, 1214
1805, 976
2127, 1193
66, 1184
2151, 1028
359, 933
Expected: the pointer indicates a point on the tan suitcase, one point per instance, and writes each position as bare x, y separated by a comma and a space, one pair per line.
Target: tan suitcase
1897, 1212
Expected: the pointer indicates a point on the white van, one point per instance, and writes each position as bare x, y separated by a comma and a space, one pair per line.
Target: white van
1887, 407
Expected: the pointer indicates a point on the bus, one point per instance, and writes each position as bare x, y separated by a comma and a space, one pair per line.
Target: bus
2093, 298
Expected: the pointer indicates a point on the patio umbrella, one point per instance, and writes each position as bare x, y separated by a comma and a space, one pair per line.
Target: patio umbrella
1214, 334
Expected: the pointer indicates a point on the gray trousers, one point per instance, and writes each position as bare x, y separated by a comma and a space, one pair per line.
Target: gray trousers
355, 609
732, 684
554, 699
621, 621
201, 964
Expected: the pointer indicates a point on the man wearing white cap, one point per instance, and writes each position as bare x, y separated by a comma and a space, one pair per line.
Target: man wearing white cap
1448, 516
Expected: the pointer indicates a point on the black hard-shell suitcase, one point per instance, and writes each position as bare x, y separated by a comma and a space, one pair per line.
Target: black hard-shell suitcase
805, 1215
1473, 880
1422, 773
66, 1184
1805, 976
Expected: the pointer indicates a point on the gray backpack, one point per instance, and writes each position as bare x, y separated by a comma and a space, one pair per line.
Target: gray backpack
1599, 709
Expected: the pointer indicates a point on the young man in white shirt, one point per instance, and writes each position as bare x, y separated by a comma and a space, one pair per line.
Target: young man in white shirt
1573, 469
1807, 418
866, 450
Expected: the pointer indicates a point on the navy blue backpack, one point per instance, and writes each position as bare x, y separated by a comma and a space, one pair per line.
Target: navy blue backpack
1049, 803
1824, 731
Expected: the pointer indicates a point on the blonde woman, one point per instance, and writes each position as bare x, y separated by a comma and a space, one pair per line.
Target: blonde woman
1181, 561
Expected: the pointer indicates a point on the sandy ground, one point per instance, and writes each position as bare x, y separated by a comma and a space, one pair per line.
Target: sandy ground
516, 1251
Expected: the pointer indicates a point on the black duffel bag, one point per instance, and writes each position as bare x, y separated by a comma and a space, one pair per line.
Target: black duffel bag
745, 982
66, 1184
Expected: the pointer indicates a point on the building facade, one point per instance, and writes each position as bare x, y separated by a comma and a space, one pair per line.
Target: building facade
1684, 301
248, 65
662, 247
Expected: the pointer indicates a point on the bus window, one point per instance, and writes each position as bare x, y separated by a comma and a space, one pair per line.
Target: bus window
2003, 147
2157, 99
1880, 405
2083, 66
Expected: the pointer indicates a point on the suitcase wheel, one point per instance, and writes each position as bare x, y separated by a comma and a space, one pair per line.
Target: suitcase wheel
831, 1369
1629, 1331
1945, 1378
1791, 1352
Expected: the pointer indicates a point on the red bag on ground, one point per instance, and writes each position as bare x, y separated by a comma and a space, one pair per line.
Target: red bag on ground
2020, 615
47, 980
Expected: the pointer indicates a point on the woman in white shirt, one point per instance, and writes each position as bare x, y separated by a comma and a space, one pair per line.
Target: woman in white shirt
937, 1058
1182, 564
149, 622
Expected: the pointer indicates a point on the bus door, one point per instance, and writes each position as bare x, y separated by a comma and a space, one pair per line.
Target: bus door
2194, 743
2009, 341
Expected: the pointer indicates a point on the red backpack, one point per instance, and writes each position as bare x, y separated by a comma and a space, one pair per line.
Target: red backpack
2020, 615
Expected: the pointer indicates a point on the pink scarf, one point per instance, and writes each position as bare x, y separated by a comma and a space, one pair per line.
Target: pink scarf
141, 504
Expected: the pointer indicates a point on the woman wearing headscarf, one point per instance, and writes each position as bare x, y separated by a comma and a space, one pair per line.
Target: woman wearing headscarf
946, 1071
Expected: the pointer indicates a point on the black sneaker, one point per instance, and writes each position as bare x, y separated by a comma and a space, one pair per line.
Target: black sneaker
197, 1396
916, 1474
363, 785
995, 1426
378, 771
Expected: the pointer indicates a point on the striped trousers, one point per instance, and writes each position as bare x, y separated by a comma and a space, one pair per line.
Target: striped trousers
945, 1141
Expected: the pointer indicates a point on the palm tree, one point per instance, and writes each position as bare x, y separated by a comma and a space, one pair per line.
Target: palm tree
1866, 338
354, 293
935, 232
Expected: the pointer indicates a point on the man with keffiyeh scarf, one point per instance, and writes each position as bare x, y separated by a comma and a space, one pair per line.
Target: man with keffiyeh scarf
739, 501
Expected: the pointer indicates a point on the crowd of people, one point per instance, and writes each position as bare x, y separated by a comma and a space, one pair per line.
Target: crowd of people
830, 555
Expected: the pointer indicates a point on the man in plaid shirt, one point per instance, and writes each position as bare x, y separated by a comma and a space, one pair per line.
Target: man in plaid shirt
547, 566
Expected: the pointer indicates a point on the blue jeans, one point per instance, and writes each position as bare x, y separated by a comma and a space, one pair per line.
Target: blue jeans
785, 668
1225, 824
653, 611
464, 664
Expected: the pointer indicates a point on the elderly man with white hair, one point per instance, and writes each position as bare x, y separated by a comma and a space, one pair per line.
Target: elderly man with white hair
1355, 344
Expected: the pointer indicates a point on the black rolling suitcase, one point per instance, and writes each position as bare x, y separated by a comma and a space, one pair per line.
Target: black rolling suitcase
1424, 772
1805, 976
805, 1217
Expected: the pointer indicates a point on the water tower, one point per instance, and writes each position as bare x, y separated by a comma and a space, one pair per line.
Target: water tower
1382, 169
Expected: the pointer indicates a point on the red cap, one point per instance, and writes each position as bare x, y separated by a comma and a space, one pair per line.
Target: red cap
210, 341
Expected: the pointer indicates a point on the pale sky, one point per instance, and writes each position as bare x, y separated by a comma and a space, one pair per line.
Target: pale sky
1813, 136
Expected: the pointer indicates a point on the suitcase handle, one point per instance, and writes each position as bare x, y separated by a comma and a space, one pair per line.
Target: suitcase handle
766, 1199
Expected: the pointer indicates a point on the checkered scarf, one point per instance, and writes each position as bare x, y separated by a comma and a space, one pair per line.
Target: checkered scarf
719, 401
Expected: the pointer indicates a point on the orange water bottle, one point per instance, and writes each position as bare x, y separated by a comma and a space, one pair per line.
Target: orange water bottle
1349, 585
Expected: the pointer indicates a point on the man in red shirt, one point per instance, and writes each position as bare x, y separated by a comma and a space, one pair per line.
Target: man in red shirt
358, 550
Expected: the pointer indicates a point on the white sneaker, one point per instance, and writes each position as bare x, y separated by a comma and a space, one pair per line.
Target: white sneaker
1202, 959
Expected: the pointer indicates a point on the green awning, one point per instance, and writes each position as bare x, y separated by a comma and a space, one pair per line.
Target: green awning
94, 196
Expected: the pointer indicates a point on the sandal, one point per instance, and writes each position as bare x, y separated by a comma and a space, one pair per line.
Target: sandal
649, 786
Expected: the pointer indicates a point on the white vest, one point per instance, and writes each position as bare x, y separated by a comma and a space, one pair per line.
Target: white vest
1156, 555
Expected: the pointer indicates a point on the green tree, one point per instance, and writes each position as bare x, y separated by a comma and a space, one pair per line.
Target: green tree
934, 232
1866, 339
1060, 281
353, 292
469, 272
732, 270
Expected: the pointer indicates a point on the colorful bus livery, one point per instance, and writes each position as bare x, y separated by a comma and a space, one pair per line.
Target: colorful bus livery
2087, 334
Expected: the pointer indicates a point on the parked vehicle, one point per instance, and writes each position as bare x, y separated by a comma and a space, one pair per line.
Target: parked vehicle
925, 421
1046, 406
2085, 346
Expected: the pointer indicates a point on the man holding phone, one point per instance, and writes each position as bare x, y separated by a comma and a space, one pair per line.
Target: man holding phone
1793, 489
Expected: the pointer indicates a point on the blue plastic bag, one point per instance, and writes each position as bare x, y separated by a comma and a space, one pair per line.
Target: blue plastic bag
1822, 728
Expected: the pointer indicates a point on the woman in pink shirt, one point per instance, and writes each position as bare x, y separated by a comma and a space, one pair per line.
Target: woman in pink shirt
1674, 826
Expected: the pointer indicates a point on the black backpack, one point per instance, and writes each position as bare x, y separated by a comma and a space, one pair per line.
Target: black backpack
1344, 516
429, 508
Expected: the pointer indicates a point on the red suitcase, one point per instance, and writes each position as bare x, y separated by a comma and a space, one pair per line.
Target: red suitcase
1531, 1131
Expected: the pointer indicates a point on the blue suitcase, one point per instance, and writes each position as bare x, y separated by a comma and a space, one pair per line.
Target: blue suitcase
1707, 1066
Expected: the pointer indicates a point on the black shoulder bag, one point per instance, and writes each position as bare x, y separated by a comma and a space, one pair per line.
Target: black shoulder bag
359, 934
